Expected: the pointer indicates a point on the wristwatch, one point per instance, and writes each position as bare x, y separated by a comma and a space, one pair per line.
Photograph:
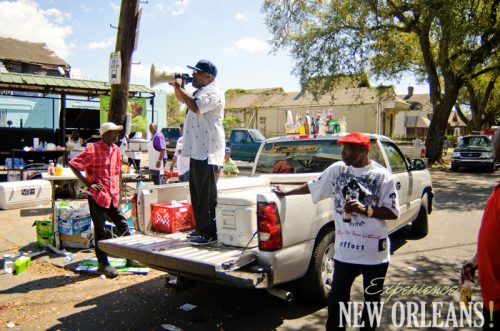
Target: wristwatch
369, 211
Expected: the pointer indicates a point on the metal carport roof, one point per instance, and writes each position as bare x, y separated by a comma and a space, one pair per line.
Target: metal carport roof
62, 85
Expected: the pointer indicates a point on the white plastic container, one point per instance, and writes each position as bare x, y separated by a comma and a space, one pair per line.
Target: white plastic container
237, 218
27, 193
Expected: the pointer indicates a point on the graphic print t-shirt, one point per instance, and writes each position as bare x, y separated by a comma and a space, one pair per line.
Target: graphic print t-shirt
364, 240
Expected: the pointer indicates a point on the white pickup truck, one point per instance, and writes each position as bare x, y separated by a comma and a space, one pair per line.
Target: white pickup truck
265, 241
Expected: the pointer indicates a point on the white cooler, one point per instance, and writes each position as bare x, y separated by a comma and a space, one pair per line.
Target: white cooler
27, 193
237, 218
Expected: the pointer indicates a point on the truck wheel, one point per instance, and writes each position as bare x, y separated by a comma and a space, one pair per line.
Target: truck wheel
420, 226
316, 283
454, 167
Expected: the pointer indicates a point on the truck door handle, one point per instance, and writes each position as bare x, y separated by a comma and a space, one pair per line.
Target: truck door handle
398, 185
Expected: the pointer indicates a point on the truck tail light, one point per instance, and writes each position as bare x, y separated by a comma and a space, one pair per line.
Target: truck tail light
422, 153
269, 226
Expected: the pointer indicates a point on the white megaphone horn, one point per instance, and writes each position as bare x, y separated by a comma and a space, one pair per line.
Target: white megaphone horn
158, 76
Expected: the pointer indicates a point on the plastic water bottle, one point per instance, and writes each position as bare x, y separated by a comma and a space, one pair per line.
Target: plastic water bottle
51, 168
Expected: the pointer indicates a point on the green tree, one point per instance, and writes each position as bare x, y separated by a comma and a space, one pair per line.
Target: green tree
174, 114
481, 97
230, 122
445, 42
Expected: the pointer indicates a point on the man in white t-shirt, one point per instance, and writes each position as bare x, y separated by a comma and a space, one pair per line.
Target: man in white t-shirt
204, 144
364, 196
180, 161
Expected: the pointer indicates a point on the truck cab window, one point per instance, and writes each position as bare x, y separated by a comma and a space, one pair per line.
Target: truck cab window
397, 160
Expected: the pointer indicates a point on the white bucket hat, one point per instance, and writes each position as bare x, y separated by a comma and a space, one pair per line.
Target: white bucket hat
109, 126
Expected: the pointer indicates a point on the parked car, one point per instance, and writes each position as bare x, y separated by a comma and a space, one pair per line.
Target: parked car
474, 151
244, 144
171, 135
265, 241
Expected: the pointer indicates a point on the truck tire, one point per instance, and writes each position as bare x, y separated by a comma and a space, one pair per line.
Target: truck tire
420, 226
454, 167
315, 285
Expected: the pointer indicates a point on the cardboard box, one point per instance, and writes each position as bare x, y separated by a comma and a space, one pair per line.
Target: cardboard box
22, 263
81, 240
44, 227
72, 226
172, 217
45, 239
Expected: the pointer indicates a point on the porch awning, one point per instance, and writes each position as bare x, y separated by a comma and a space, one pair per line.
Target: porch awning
417, 122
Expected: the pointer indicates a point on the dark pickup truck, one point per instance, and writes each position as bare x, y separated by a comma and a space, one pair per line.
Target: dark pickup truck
244, 144
171, 135
473, 151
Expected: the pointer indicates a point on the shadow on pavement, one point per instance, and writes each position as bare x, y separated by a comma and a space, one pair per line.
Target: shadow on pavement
148, 305
46, 283
457, 192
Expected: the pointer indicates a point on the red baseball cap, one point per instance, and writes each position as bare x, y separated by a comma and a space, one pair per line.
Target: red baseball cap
356, 138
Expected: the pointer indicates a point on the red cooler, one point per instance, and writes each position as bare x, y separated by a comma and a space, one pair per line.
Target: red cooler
172, 217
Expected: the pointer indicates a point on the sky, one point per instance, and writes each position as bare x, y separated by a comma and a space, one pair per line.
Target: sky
173, 34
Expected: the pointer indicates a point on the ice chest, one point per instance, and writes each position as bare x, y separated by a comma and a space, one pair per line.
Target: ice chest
27, 193
172, 217
237, 218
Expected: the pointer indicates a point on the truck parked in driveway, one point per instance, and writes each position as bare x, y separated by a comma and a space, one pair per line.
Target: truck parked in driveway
265, 241
244, 144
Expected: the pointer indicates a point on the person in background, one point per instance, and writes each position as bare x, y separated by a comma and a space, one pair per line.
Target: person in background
446, 145
102, 163
156, 154
486, 260
361, 235
134, 157
229, 169
74, 144
180, 161
204, 144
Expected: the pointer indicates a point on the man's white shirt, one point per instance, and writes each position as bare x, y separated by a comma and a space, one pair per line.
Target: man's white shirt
203, 133
364, 240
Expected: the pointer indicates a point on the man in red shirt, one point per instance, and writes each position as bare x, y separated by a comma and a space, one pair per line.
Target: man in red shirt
102, 163
487, 258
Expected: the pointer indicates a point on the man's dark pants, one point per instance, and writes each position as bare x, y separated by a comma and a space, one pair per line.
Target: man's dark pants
203, 189
157, 177
99, 216
184, 177
343, 278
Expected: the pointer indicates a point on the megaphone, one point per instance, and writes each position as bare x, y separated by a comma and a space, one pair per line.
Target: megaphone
158, 76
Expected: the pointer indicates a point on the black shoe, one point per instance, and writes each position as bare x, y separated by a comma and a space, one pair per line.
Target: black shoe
134, 264
200, 241
193, 234
107, 271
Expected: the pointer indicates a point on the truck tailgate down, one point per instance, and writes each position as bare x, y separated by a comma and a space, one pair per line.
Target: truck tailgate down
175, 254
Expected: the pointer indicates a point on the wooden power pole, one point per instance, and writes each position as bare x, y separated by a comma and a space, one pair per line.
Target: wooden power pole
125, 41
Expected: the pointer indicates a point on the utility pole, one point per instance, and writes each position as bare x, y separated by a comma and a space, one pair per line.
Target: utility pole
125, 41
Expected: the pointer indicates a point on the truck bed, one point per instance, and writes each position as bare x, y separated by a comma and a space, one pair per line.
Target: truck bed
174, 254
